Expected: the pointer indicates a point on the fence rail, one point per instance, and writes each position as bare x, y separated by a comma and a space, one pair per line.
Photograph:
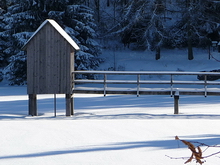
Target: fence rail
186, 89
177, 84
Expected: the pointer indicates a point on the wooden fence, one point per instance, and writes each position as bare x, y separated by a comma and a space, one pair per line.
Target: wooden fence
147, 83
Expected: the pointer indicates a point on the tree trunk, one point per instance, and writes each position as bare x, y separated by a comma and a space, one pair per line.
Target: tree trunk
189, 38
157, 52
190, 50
97, 5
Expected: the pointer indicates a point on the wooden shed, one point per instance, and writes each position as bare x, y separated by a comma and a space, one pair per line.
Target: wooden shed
50, 63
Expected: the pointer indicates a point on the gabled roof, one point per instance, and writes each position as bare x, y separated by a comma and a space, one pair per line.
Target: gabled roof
59, 29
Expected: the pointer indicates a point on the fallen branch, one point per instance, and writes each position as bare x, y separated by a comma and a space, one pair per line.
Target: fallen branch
196, 151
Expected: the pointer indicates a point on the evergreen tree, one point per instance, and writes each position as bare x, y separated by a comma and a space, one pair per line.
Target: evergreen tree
17, 25
133, 23
3, 58
24, 17
3, 9
80, 25
143, 25
197, 20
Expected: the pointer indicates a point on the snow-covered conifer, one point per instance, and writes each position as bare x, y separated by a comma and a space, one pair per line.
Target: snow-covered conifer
23, 17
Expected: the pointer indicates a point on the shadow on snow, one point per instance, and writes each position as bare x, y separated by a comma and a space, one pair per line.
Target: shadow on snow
16, 106
163, 144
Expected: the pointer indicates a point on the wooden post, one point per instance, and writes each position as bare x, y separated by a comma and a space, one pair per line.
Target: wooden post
105, 76
176, 102
68, 104
32, 104
138, 85
55, 106
72, 106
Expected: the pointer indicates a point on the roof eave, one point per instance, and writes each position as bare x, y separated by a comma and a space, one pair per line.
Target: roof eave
59, 29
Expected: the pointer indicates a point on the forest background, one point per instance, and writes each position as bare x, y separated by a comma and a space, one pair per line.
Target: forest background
106, 24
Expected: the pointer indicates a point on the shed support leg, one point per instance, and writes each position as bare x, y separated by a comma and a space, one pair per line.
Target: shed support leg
72, 105
32, 104
68, 105
176, 104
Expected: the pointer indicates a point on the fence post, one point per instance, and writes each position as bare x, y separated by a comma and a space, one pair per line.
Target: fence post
176, 102
138, 85
171, 85
205, 81
105, 77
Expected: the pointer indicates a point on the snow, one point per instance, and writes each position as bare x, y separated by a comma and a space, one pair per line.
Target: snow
116, 129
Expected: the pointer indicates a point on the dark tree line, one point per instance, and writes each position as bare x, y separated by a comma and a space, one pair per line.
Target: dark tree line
138, 25
152, 24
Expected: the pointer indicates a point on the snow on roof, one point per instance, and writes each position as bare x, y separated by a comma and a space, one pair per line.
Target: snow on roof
59, 29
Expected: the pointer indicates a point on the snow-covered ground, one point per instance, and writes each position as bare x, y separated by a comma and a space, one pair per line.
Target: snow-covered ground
116, 129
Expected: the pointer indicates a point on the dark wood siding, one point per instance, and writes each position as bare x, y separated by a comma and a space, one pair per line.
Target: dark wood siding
50, 61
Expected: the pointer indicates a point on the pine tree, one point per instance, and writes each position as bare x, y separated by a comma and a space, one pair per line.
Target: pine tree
3, 9
197, 20
3, 61
143, 25
17, 25
80, 26
133, 22
24, 17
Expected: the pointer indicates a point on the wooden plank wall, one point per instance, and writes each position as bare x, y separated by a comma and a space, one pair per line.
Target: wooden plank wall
49, 63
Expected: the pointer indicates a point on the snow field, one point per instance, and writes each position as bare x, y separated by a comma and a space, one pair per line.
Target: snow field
120, 135
112, 130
